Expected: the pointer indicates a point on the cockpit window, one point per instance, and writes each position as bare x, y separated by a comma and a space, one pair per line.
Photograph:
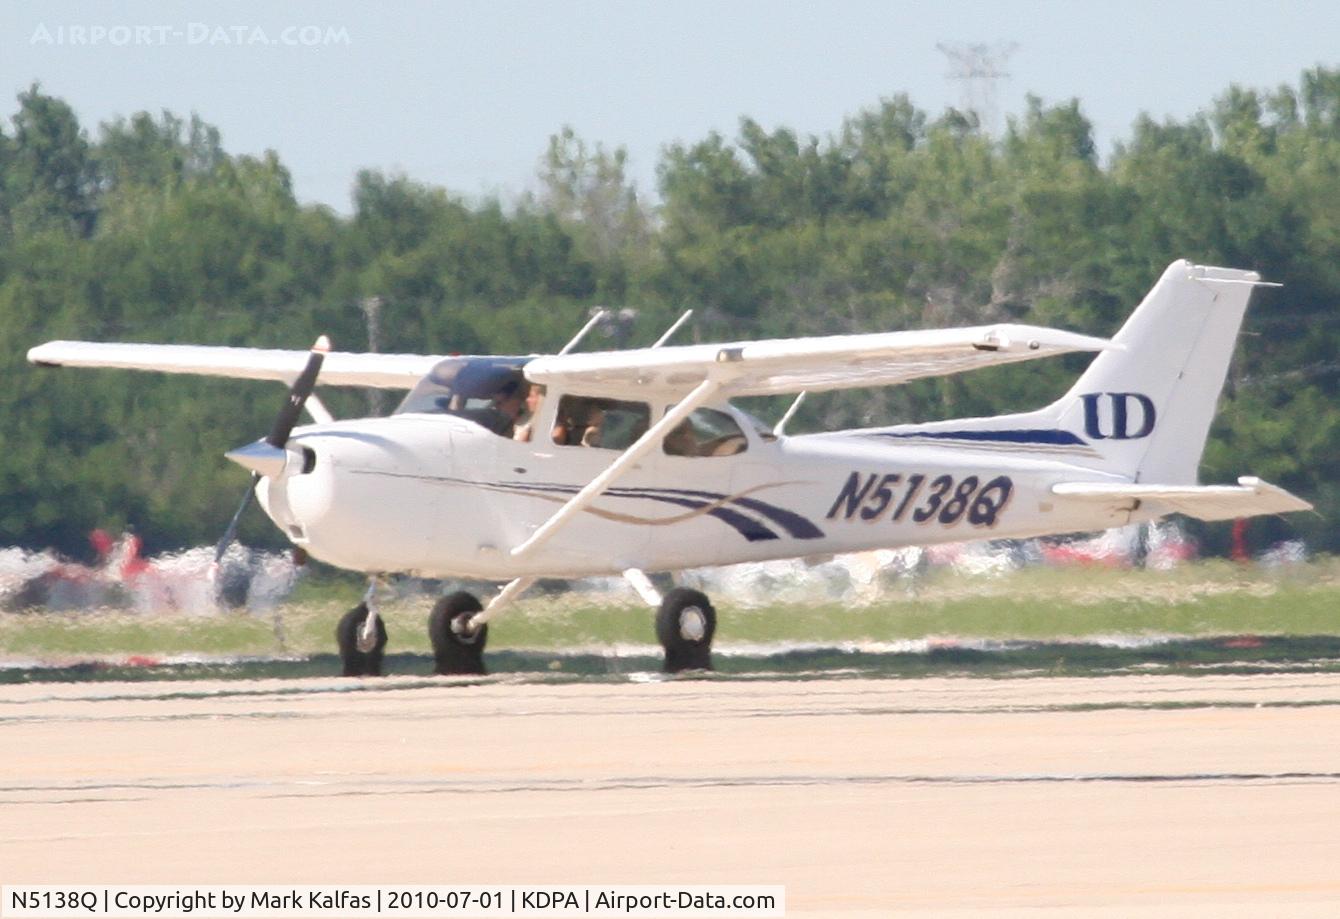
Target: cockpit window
612, 424
488, 391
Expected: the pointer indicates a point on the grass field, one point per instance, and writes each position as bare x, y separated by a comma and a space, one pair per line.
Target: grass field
1211, 598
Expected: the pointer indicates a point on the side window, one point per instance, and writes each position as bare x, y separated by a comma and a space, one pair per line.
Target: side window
610, 424
706, 432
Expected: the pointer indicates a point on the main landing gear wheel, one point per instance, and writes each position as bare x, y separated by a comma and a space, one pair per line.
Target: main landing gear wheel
358, 657
456, 650
685, 624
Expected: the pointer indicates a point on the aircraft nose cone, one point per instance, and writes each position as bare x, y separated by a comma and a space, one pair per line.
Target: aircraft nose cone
261, 458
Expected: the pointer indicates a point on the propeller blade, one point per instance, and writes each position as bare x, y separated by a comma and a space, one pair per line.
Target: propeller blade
231, 533
262, 460
297, 395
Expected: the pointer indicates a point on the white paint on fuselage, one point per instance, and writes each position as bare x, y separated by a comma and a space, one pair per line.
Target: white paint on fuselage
439, 496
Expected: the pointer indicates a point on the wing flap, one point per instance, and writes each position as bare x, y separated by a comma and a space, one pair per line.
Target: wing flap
341, 368
1249, 498
790, 365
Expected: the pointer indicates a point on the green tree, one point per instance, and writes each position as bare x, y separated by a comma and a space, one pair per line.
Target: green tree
49, 175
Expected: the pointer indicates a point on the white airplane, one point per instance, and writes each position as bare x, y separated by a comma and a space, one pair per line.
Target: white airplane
638, 462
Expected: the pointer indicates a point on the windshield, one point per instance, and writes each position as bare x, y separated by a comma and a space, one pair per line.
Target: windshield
467, 386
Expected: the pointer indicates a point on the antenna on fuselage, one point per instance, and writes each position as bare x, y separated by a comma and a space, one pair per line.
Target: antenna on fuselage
591, 323
673, 329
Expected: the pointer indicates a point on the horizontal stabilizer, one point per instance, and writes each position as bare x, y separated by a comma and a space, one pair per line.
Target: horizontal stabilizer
1249, 498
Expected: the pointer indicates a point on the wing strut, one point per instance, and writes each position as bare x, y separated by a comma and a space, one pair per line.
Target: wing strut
513, 589
317, 409
779, 428
601, 483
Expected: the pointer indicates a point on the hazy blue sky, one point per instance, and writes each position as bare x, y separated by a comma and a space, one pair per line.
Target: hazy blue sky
466, 94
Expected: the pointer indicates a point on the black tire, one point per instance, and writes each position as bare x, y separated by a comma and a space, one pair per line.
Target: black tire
685, 624
454, 653
354, 661
234, 583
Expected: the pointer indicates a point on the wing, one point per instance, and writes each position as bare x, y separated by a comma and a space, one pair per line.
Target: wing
791, 365
341, 368
1248, 498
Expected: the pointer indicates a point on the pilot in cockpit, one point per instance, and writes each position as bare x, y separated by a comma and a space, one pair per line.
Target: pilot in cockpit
491, 392
502, 415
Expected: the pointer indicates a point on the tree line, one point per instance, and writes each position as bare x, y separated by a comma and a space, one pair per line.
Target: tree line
149, 230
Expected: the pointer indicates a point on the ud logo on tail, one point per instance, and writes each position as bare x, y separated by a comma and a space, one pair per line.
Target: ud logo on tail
1121, 417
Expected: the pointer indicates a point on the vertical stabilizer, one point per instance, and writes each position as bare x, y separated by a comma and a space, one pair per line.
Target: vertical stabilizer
1147, 407
1142, 410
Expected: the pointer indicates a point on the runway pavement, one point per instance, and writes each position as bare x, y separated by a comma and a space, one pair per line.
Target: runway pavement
1117, 796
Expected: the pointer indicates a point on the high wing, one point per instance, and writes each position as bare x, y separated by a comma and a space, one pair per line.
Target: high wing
1248, 498
776, 366
744, 368
341, 368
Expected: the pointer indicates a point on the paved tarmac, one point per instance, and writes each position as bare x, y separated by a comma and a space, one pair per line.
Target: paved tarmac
1116, 796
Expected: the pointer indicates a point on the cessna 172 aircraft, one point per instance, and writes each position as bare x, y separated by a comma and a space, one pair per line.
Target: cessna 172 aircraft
636, 461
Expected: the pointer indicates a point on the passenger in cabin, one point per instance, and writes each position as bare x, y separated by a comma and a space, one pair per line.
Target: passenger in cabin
578, 423
595, 423
534, 398
599, 422
563, 425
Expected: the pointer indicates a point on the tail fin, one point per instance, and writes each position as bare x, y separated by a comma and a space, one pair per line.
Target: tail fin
1141, 411
1146, 409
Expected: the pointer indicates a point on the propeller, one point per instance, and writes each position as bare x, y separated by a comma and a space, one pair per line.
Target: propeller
268, 457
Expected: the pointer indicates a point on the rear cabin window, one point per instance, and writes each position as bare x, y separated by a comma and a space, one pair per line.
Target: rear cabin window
607, 424
706, 432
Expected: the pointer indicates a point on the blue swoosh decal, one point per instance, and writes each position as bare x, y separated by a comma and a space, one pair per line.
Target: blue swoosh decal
753, 530
1050, 436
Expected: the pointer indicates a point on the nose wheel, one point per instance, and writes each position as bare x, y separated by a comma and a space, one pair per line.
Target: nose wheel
685, 624
361, 642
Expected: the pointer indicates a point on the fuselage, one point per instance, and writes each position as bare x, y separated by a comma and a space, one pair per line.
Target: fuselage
438, 495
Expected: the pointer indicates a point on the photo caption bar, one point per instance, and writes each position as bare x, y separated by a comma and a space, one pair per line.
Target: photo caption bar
459, 901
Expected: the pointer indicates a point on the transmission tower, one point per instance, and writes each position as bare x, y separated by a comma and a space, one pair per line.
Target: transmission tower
979, 68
